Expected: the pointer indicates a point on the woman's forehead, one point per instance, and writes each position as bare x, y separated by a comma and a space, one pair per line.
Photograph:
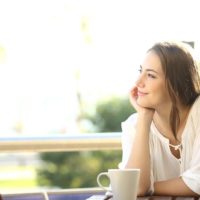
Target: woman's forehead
152, 61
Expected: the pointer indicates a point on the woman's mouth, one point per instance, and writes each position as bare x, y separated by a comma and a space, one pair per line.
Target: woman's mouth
140, 94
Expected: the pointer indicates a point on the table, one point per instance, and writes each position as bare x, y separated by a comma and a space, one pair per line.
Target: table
166, 198
76, 194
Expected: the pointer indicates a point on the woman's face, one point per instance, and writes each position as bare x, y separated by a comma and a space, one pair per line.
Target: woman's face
151, 85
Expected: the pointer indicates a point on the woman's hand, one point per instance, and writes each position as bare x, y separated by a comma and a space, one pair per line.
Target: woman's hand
148, 112
133, 96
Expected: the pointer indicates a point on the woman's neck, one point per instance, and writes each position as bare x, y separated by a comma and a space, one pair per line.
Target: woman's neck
161, 120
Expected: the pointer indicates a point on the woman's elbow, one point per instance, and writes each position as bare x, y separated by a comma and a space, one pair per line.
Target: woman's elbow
142, 191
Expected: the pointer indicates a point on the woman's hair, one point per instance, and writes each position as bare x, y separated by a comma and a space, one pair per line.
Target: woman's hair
181, 76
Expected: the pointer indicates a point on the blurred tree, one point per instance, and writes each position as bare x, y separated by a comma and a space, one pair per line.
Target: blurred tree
75, 169
110, 113
79, 169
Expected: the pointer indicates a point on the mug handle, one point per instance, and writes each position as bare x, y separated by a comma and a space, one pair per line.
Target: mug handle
99, 182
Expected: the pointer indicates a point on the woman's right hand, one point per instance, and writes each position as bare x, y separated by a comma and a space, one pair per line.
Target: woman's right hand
148, 112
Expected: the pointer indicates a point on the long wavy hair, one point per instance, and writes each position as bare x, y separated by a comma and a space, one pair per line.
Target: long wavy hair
181, 76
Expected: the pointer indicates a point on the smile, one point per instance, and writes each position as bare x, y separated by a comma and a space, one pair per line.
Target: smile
141, 94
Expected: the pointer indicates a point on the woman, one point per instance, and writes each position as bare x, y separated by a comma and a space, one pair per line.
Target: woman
163, 137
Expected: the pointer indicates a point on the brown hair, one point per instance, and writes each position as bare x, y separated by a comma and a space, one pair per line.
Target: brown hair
181, 75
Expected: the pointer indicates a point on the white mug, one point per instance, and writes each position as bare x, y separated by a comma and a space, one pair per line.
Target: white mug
124, 183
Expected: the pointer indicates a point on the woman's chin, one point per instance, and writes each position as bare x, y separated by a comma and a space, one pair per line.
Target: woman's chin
143, 103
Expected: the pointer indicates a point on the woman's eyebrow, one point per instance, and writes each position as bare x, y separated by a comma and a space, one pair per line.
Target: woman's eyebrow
152, 70
149, 69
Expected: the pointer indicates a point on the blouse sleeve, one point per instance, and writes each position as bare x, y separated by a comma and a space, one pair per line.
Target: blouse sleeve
128, 133
191, 176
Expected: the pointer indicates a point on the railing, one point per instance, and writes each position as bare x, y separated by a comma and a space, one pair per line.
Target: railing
55, 143
75, 142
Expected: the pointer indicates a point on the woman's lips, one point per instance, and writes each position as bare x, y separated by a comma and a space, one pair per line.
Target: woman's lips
141, 93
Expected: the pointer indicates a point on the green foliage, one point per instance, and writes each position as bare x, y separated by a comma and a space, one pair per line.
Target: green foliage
79, 169
75, 169
110, 113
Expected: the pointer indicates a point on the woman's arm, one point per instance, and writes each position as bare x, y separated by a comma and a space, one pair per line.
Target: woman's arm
173, 187
140, 155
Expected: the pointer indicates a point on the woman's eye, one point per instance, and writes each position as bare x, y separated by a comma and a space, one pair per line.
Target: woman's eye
151, 76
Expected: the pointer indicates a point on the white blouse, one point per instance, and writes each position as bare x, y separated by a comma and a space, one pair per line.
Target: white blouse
164, 165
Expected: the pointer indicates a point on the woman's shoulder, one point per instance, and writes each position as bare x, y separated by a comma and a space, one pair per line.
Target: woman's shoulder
194, 115
197, 101
129, 123
195, 107
131, 119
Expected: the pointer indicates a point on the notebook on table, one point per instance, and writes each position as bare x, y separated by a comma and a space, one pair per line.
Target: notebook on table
100, 197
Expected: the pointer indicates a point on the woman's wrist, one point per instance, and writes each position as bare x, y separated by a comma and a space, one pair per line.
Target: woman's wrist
144, 119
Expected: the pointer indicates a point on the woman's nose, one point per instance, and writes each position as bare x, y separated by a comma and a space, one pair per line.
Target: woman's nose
140, 81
